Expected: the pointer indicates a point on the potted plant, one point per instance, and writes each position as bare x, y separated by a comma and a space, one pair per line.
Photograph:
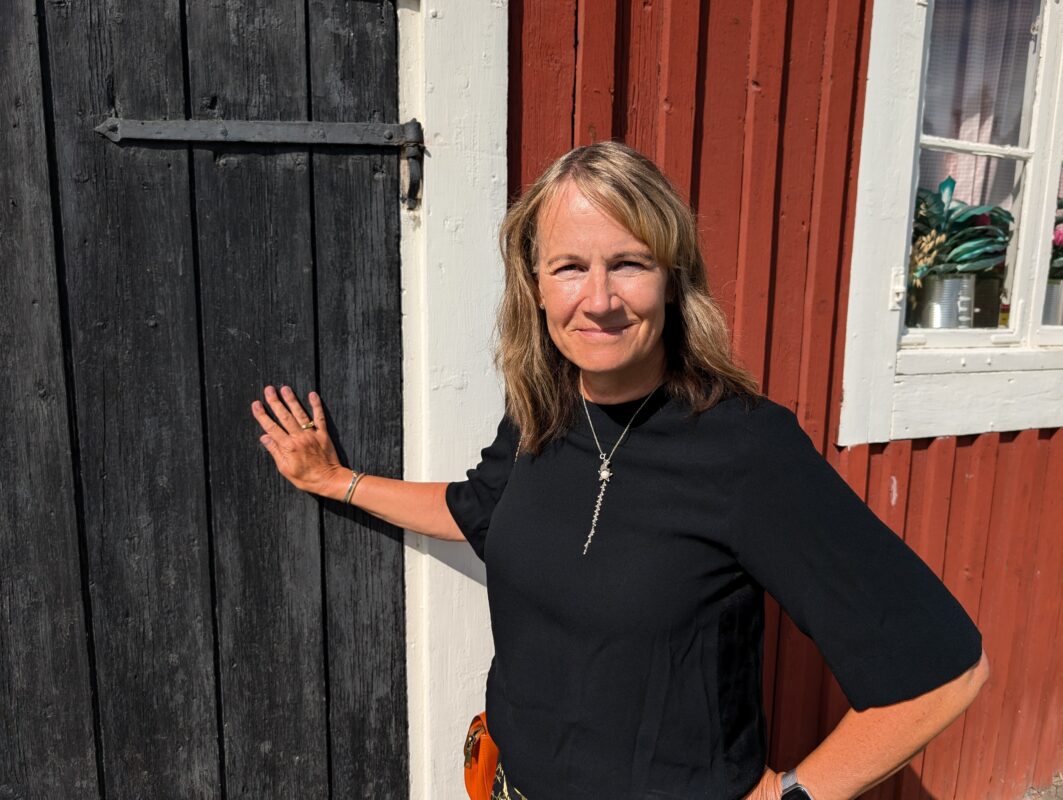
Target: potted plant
955, 244
1053, 313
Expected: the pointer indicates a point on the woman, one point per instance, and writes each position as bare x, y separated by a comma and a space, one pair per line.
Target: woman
639, 497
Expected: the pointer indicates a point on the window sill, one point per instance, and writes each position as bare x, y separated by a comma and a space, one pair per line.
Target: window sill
943, 361
955, 393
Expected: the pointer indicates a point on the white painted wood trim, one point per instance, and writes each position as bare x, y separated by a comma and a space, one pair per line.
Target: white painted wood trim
944, 145
1050, 334
966, 359
898, 384
953, 405
453, 77
888, 145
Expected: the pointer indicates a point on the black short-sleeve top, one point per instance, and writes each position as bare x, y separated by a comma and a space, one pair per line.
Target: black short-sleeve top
634, 671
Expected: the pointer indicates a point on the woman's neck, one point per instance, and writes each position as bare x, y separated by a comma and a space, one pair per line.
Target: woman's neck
613, 389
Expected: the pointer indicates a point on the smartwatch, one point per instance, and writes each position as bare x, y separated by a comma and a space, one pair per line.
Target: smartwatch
792, 790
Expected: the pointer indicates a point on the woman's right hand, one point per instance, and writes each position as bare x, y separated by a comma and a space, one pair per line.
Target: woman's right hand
305, 456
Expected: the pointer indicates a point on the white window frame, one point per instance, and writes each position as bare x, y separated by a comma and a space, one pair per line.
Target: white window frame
900, 384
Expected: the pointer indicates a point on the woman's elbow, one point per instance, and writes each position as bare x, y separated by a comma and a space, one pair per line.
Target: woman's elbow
974, 679
981, 671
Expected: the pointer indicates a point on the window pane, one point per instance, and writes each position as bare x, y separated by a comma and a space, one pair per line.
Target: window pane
960, 264
1053, 311
981, 70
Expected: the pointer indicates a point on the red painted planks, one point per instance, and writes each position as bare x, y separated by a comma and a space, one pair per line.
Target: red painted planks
801, 102
720, 138
677, 92
641, 28
542, 70
844, 61
1048, 753
1041, 591
595, 63
1009, 551
861, 48
972, 494
756, 222
929, 495
888, 481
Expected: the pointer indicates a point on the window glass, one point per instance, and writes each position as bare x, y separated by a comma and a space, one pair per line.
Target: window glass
1053, 310
963, 232
981, 70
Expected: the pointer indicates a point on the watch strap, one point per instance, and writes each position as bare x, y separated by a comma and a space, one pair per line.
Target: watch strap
789, 782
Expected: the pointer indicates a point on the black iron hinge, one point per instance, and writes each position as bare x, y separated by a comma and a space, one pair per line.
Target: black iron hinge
407, 135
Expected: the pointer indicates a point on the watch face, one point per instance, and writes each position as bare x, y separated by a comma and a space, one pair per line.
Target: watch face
796, 793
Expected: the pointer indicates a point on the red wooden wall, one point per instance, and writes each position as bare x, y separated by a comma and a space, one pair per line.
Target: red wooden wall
753, 108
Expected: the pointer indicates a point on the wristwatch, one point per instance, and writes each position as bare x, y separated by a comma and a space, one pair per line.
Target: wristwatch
792, 790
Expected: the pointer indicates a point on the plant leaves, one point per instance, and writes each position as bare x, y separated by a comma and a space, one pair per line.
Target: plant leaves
972, 211
946, 189
971, 250
989, 233
978, 266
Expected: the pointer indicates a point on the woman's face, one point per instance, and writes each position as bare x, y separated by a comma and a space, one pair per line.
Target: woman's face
602, 293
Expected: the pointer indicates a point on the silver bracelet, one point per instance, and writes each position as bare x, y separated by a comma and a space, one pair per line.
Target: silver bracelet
357, 476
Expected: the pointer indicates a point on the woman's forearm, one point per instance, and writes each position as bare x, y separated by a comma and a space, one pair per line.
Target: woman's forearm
879, 741
419, 507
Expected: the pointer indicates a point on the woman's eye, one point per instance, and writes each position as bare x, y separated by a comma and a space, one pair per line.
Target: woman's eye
631, 265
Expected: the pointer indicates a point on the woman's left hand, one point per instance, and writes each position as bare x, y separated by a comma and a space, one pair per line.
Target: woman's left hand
769, 788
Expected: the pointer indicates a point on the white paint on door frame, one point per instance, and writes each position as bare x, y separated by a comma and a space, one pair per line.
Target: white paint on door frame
453, 77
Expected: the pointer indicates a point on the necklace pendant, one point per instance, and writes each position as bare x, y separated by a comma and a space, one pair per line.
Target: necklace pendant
604, 473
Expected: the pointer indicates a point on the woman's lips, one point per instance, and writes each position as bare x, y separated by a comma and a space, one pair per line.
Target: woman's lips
603, 333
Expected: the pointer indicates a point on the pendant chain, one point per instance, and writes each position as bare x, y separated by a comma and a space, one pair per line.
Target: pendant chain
605, 471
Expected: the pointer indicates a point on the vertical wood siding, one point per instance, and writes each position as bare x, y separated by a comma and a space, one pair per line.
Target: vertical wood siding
753, 109
46, 726
176, 619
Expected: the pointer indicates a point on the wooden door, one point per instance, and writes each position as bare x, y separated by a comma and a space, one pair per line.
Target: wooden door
178, 621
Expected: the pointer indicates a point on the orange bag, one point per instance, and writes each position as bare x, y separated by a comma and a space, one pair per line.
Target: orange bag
481, 759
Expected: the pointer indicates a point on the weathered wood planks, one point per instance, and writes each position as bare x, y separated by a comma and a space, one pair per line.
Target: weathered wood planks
131, 296
184, 651
253, 212
360, 352
47, 746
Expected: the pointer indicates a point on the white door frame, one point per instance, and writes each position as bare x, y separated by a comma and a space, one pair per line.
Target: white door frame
453, 77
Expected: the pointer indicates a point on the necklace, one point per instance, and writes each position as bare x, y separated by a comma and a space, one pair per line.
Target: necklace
605, 471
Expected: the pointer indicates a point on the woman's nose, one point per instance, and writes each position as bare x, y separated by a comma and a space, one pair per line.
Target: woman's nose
600, 296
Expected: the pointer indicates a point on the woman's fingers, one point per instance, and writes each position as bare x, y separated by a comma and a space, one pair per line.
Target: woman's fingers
266, 421
271, 446
319, 410
295, 407
281, 411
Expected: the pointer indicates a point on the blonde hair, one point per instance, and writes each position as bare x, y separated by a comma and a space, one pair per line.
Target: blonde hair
542, 386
